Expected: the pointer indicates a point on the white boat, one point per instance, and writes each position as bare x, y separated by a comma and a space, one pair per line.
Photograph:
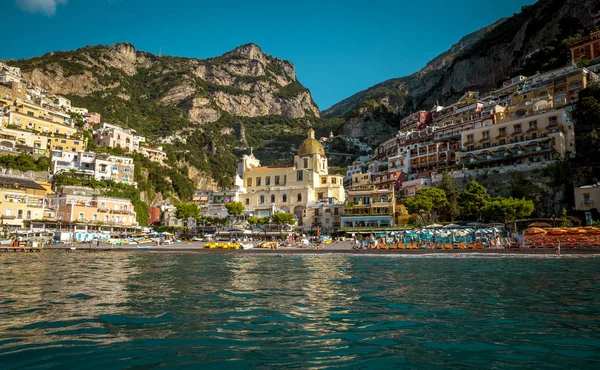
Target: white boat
247, 246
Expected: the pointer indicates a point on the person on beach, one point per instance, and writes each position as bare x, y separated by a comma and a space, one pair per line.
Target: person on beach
558, 248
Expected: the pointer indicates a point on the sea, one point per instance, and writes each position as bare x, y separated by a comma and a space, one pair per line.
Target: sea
235, 311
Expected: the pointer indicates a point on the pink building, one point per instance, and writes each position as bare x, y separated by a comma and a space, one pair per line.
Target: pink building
92, 117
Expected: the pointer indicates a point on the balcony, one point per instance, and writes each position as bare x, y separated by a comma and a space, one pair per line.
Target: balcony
587, 203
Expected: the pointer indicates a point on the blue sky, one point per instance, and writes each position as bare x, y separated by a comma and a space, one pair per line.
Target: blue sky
338, 47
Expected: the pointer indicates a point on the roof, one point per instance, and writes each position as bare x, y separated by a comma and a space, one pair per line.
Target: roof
20, 182
311, 145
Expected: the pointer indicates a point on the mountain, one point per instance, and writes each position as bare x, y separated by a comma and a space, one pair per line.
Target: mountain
243, 82
479, 61
205, 113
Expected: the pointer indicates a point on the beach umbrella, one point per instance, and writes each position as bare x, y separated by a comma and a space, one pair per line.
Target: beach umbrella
556, 231
452, 226
540, 224
534, 231
434, 226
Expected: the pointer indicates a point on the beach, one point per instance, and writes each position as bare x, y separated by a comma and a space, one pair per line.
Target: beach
333, 248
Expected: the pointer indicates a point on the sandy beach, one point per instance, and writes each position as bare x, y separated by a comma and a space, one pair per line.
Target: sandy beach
334, 248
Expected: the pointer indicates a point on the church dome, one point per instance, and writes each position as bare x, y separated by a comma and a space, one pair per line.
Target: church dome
311, 145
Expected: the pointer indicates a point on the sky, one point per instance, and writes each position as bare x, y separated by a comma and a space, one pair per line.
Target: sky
339, 47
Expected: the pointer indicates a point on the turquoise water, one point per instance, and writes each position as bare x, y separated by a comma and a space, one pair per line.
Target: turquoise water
143, 311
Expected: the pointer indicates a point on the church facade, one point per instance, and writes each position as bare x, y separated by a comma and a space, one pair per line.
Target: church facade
290, 188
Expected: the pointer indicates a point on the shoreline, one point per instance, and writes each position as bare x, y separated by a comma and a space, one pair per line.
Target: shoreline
198, 249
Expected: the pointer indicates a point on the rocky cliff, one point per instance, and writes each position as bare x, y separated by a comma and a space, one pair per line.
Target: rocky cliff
243, 82
479, 61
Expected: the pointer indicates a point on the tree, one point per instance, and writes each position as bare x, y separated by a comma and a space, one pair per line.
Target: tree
451, 210
507, 209
282, 218
235, 208
185, 211
472, 200
426, 200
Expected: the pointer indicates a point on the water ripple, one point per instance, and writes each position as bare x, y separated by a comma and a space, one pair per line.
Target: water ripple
96, 311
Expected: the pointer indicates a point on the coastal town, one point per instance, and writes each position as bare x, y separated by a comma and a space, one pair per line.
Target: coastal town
523, 126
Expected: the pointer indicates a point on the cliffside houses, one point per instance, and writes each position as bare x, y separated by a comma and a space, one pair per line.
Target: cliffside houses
523, 124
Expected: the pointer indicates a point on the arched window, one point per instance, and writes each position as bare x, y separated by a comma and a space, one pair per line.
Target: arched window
299, 197
272, 198
262, 199
305, 162
284, 198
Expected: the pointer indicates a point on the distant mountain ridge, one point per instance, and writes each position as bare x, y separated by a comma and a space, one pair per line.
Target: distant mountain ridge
243, 82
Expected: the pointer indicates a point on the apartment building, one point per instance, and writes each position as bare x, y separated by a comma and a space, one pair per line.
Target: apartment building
82, 205
587, 197
92, 165
18, 141
66, 144
533, 139
326, 214
20, 200
410, 187
154, 154
368, 206
416, 121
15, 117
111, 136
587, 47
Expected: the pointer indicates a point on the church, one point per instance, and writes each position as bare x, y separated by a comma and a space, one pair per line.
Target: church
290, 188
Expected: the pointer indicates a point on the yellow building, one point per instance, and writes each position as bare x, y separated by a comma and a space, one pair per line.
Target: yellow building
22, 141
20, 200
67, 144
28, 122
368, 206
11, 91
534, 139
290, 188
543, 92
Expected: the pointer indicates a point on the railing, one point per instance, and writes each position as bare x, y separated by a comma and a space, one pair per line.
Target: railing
587, 203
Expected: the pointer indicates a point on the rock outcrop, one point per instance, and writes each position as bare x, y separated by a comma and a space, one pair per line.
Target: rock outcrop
243, 82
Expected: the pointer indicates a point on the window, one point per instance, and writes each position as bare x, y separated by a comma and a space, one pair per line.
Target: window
305, 162
268, 180
502, 131
284, 198
63, 141
247, 201
126, 169
262, 199
553, 120
586, 199
272, 198
319, 196
486, 134
333, 180
258, 181
249, 182
105, 218
336, 211
115, 168
317, 212
299, 175
469, 138
29, 215
276, 180
125, 178
501, 142
284, 179
323, 180
20, 213
517, 128
95, 217
81, 216
533, 125
299, 197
